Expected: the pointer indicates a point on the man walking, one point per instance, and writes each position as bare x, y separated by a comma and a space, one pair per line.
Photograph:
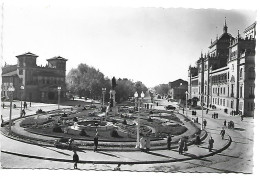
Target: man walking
95, 142
242, 117
211, 141
222, 133
169, 139
204, 123
75, 160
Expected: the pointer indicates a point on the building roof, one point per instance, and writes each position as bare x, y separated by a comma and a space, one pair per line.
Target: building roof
57, 58
224, 35
27, 54
177, 83
8, 68
250, 27
12, 73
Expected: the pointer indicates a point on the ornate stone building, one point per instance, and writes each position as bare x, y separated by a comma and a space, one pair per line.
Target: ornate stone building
225, 76
40, 83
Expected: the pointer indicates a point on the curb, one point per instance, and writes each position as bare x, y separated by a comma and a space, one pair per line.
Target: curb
122, 162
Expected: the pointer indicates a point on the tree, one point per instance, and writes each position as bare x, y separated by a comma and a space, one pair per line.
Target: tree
162, 89
86, 81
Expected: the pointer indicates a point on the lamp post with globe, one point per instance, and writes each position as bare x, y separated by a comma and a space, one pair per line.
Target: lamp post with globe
139, 100
10, 89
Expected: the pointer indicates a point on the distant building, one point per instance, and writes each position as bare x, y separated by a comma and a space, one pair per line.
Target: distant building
178, 89
40, 83
225, 76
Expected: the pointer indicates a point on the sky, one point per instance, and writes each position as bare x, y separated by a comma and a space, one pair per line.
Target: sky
154, 45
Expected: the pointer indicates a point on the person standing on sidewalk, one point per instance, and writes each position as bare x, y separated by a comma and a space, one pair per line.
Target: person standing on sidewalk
148, 143
211, 141
222, 133
197, 140
169, 139
225, 123
75, 159
95, 143
242, 117
204, 123
180, 149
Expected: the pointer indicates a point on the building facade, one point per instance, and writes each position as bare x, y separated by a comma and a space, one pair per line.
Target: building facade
177, 89
225, 76
40, 83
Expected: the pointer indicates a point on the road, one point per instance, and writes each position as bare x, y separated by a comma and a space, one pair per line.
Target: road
237, 158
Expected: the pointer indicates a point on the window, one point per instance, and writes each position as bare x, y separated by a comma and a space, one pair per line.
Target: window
233, 67
251, 92
224, 90
220, 101
220, 90
241, 91
241, 73
232, 103
251, 73
232, 90
223, 102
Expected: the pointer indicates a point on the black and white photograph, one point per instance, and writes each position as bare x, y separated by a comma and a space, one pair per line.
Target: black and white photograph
123, 88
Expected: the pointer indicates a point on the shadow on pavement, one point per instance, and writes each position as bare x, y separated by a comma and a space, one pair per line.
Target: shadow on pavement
56, 151
239, 129
111, 155
229, 156
160, 155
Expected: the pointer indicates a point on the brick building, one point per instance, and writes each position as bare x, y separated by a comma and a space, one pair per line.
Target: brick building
225, 76
40, 83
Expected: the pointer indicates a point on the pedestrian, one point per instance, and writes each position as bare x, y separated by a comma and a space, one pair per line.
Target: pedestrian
225, 123
207, 111
183, 110
95, 142
211, 141
204, 123
197, 119
210, 105
197, 140
142, 144
222, 133
185, 146
23, 112
217, 115
3, 105
24, 103
70, 142
242, 117
180, 149
75, 160
30, 104
169, 139
148, 143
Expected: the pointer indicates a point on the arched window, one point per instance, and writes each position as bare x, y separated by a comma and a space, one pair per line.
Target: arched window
251, 73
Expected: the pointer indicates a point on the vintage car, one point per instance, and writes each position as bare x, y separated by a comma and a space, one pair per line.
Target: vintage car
65, 143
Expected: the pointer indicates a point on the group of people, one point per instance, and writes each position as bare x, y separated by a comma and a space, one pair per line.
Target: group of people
183, 147
215, 115
145, 144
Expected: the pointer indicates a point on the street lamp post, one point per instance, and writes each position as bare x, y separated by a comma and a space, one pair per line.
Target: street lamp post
186, 101
22, 88
103, 92
59, 89
139, 100
202, 99
11, 89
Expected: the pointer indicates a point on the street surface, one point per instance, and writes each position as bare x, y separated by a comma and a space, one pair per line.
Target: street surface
237, 158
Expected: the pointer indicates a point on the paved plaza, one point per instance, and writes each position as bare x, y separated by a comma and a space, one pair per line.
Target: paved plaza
233, 154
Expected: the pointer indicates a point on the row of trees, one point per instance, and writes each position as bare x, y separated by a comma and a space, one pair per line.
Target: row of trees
162, 89
86, 81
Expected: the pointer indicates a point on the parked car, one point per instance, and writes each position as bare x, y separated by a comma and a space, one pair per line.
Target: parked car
170, 107
65, 143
